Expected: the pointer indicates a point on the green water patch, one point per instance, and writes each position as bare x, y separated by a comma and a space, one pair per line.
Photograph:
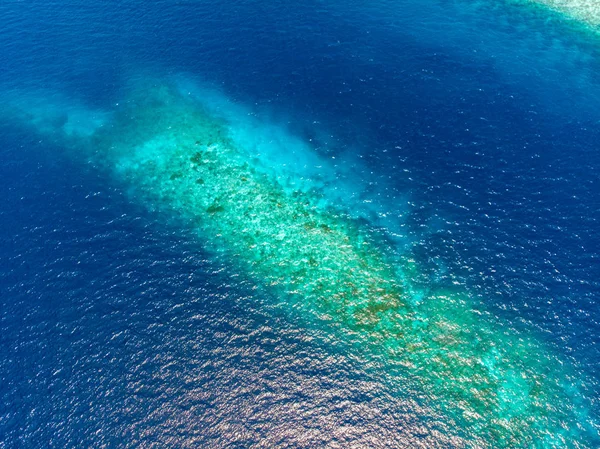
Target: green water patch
500, 386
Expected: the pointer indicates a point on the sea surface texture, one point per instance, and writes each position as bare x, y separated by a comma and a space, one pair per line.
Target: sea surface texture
317, 224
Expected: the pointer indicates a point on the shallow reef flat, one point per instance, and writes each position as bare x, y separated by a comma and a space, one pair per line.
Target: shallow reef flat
586, 11
498, 386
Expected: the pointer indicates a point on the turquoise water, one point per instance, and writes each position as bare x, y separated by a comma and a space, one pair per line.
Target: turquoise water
334, 226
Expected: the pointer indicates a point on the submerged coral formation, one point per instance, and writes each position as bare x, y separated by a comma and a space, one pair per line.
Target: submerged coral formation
502, 388
586, 11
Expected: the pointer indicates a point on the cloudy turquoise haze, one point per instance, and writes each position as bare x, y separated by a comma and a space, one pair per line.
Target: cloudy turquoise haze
324, 224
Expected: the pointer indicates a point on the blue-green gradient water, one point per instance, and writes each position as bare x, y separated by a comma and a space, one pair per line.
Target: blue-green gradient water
461, 136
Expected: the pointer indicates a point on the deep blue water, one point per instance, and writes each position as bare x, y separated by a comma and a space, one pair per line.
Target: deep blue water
479, 123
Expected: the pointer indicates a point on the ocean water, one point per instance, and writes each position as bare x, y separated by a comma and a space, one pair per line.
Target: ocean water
143, 308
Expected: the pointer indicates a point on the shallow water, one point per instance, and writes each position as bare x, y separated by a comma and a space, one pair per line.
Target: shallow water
461, 135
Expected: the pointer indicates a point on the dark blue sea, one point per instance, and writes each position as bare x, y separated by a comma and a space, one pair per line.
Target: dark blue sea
473, 129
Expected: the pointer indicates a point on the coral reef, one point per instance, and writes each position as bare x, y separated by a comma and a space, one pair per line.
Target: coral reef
502, 387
